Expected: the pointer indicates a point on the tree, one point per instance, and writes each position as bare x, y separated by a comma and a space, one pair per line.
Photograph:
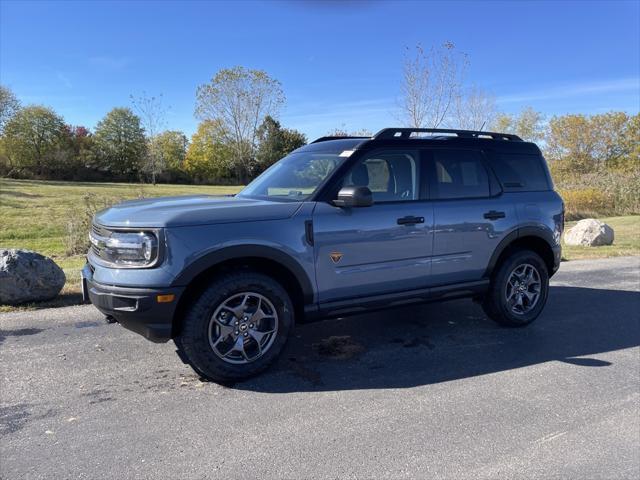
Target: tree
171, 147
239, 100
432, 81
208, 156
9, 106
474, 109
82, 152
152, 118
276, 142
617, 138
571, 143
120, 142
33, 138
528, 124
584, 144
342, 132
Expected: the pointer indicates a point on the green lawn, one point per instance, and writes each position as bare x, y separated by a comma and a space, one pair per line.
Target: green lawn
34, 215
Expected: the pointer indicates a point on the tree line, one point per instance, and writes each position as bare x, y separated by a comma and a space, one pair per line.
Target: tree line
239, 135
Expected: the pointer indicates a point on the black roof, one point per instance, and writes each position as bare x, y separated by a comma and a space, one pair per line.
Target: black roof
406, 137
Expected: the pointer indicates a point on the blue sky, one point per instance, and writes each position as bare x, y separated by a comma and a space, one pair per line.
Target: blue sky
339, 63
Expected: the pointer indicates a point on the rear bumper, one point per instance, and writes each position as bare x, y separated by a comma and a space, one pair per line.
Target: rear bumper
134, 308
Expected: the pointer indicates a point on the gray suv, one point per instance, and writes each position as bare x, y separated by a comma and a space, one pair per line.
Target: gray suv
340, 226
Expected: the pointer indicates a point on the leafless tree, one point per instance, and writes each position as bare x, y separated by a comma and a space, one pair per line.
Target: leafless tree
432, 80
152, 115
343, 132
240, 99
474, 109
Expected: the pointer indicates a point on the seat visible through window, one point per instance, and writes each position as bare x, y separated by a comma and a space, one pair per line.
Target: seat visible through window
391, 177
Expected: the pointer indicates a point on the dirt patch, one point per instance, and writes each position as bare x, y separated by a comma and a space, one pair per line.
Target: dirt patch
338, 348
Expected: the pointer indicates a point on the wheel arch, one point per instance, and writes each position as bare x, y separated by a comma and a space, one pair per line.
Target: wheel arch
537, 239
262, 259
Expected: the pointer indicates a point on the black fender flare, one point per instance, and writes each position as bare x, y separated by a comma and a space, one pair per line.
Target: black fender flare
211, 259
526, 231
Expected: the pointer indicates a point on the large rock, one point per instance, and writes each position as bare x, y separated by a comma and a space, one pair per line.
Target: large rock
27, 276
589, 233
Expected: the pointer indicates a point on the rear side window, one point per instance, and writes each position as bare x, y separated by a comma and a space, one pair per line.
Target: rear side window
459, 174
520, 172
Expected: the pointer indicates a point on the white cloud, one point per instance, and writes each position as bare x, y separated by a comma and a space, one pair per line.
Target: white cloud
574, 90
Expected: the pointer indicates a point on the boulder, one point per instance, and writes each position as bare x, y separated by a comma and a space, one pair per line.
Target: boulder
27, 276
589, 233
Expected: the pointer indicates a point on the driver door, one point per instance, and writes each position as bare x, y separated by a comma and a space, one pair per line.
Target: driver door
384, 248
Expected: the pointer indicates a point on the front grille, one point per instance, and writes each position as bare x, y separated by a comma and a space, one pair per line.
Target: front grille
98, 237
100, 231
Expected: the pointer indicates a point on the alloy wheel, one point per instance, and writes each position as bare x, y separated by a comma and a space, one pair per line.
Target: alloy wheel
523, 289
243, 328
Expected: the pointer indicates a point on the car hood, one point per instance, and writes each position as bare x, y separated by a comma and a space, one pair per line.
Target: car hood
193, 210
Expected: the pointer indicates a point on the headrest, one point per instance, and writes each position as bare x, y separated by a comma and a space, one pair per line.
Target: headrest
360, 176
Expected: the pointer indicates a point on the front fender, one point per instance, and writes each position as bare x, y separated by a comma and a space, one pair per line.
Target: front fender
216, 257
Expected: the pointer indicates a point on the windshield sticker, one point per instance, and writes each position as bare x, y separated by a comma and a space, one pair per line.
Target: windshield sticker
346, 153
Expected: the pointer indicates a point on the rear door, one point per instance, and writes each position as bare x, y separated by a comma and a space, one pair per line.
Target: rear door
383, 248
471, 215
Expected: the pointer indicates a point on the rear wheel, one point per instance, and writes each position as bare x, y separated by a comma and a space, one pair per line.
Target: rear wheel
236, 327
519, 289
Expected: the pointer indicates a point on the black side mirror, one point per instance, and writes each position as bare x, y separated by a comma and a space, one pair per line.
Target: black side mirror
354, 196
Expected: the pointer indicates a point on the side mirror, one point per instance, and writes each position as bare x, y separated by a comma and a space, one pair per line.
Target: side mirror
354, 196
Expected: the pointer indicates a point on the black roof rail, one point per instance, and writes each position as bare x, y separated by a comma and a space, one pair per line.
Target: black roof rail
404, 133
337, 137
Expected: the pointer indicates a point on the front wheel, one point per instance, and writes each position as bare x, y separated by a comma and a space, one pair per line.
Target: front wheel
236, 327
519, 289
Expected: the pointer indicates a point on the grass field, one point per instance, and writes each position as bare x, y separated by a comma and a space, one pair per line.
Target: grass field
34, 215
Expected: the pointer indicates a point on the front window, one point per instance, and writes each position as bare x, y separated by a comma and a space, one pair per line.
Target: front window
295, 177
392, 176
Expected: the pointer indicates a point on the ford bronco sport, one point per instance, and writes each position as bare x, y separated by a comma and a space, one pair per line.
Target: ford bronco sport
339, 226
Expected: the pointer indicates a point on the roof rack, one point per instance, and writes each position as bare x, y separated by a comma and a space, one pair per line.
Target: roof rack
404, 133
336, 137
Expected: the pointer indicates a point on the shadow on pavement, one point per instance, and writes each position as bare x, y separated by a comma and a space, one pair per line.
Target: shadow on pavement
435, 343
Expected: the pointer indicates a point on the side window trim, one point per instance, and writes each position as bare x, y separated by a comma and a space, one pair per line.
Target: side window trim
495, 187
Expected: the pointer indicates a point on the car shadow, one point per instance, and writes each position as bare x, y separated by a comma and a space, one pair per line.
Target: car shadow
413, 346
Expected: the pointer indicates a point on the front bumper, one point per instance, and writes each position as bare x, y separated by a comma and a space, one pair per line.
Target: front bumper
136, 309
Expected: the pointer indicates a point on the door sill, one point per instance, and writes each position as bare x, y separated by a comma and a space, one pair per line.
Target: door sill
356, 305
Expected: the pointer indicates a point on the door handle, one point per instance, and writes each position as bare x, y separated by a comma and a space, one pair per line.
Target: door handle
494, 215
410, 220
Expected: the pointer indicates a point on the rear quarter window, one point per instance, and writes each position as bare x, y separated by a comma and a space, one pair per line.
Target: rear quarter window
520, 172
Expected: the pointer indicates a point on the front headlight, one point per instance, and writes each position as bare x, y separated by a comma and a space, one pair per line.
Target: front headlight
124, 248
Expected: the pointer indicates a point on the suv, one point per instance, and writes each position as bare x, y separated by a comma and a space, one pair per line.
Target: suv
340, 226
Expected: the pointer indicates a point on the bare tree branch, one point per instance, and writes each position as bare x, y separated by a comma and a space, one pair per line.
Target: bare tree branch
432, 81
152, 115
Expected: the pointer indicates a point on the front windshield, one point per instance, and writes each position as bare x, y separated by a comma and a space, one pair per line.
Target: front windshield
296, 177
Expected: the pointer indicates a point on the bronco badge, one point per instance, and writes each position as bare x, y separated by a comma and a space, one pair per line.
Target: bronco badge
335, 256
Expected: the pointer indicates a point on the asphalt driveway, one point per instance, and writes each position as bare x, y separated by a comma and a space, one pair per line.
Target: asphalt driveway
433, 391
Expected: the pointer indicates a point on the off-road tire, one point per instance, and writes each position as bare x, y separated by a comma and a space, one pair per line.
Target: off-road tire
495, 303
193, 341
